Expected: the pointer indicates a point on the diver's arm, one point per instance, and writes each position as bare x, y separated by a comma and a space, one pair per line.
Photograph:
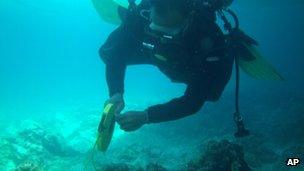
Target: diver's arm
190, 103
115, 74
115, 62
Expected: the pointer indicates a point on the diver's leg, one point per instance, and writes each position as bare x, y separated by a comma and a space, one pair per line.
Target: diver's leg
217, 77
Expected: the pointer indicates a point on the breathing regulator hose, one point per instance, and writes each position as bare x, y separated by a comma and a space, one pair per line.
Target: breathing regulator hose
238, 118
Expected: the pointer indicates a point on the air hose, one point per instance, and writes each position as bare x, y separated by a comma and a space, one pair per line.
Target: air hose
237, 116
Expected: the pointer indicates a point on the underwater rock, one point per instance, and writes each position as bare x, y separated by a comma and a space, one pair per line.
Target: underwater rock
77, 133
129, 167
9, 165
28, 166
119, 167
258, 155
220, 156
6, 150
7, 155
155, 167
37, 139
32, 142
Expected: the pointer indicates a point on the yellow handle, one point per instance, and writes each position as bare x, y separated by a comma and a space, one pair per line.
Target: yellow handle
108, 113
108, 108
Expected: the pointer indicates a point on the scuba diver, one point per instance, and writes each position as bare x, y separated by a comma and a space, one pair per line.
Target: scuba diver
185, 44
182, 39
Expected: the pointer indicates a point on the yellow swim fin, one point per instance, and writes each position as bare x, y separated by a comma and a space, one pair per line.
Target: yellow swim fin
258, 67
108, 9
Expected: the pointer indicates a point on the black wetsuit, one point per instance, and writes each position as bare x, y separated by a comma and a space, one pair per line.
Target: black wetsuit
202, 63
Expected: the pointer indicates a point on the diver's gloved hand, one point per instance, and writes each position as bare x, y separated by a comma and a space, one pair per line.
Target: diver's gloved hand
118, 101
132, 120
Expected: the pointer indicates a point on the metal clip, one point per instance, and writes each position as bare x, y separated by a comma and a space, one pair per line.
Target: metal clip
148, 45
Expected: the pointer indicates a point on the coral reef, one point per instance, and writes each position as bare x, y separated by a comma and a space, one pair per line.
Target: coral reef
31, 146
221, 155
258, 155
62, 143
28, 166
127, 167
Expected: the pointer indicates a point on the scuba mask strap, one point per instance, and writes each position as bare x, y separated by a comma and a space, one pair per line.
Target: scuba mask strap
237, 116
